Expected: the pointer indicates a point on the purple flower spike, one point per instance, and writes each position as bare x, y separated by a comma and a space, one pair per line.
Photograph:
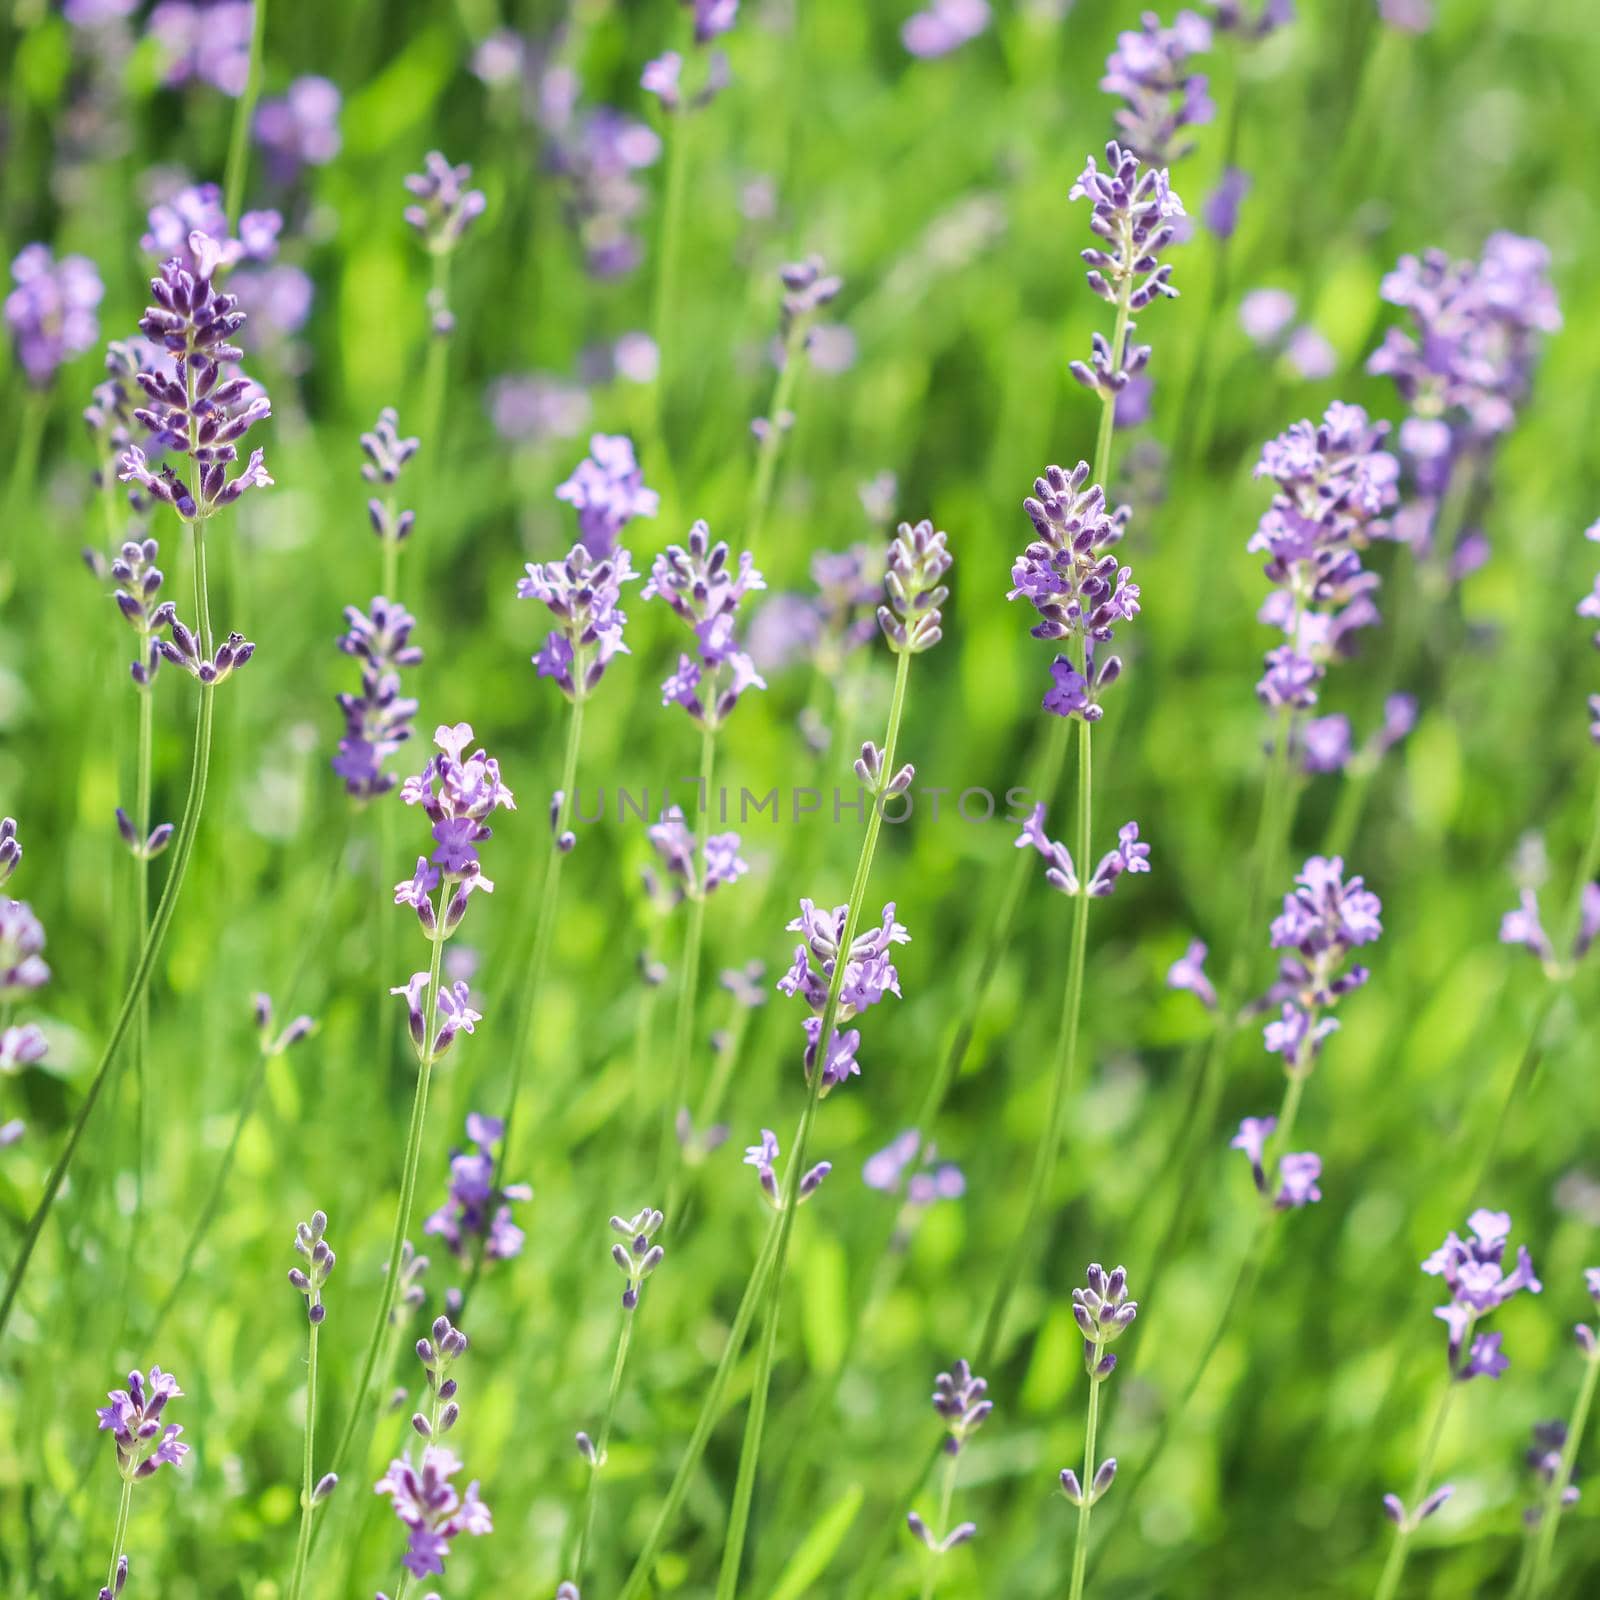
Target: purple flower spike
583, 593
22, 968
1297, 1181
458, 793
443, 206
133, 1419
1103, 1313
309, 1242
962, 1400
51, 312
638, 1258
1133, 214
477, 1214
607, 490
919, 559
944, 26
299, 128
1188, 972
1148, 71
10, 849
1472, 1271
1252, 1140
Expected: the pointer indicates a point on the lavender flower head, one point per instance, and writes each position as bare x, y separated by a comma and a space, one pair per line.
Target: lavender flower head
205, 43
1103, 1313
583, 594
172, 222
276, 1042
1147, 70
764, 1157
1334, 487
914, 588
1069, 574
607, 490
1472, 1271
138, 581
1132, 215
10, 849
22, 968
1130, 855
458, 793
705, 591
1188, 972
868, 975
638, 1258
299, 128
930, 1179
51, 312
443, 207
309, 1242
1544, 1460
133, 1419
962, 1401
944, 26
1523, 926
712, 18
378, 719
1249, 21
479, 1208
808, 287
692, 874
1297, 1172
387, 455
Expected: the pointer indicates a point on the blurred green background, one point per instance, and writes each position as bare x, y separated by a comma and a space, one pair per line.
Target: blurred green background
938, 189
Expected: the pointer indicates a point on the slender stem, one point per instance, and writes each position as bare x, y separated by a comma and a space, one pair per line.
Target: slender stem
25, 452
549, 899
749, 1453
947, 1494
710, 1410
1389, 1579
120, 1537
1080, 1552
666, 283
188, 827
141, 903
243, 115
308, 1478
391, 556
689, 972
408, 1188
1062, 1077
733, 1549
772, 441
1555, 1495
591, 1489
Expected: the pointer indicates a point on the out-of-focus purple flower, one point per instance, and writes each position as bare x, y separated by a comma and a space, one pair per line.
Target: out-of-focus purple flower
638, 1258
320, 1260
1189, 972
712, 18
829, 626
598, 155
868, 975
387, 454
1221, 210
1474, 1274
435, 1514
197, 208
962, 1401
443, 207
97, 13
910, 1165
1311, 355
378, 720
133, 1419
1407, 16
51, 312
1251, 1139
21, 1046
1265, 315
944, 26
583, 593
535, 406
1334, 490
607, 490
10, 849
705, 589
1132, 408
205, 41
1325, 744
1148, 71
687, 877
763, 1157
478, 1210
1297, 1181
22, 968
1258, 22
1544, 1460
299, 128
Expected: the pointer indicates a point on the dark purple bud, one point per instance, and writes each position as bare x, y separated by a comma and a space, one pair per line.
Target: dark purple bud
325, 1487
1070, 1486
1104, 1474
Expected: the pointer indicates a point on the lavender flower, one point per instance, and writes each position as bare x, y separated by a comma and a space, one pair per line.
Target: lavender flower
10, 849
1147, 70
911, 618
1522, 926
962, 1401
763, 1157
195, 410
639, 1258
478, 1208
458, 793
378, 719
705, 592
598, 155
1072, 579
868, 976
387, 454
443, 206
946, 25
712, 18
173, 221
830, 625
22, 968
930, 1179
51, 312
1189, 972
309, 1242
21, 1046
1132, 214
1221, 211
453, 1008
133, 1419
1103, 1313
1130, 855
1544, 1461
299, 128
687, 877
1478, 1284
138, 581
278, 1042
1334, 486
663, 77
1408, 1522
583, 594
434, 1512
205, 43
1251, 23
607, 489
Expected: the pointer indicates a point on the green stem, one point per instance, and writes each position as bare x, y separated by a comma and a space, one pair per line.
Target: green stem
141, 903
772, 443
591, 1490
549, 900
710, 1411
947, 1494
1389, 1579
733, 1549
243, 115
666, 283
188, 827
1080, 1551
1554, 1500
749, 1453
308, 1478
408, 1187
689, 974
120, 1537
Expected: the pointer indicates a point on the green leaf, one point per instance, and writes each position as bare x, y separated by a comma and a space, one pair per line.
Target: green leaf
818, 1548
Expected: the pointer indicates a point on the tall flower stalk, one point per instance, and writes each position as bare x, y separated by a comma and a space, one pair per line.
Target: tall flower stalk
198, 406
962, 1401
244, 114
145, 1444
309, 1281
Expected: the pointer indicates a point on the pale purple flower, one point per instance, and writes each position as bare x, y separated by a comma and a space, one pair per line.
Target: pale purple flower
763, 1157
22, 968
133, 1419
712, 18
1221, 210
299, 128
205, 42
1149, 70
1249, 22
427, 1502
607, 489
1297, 1181
1325, 744
1103, 1313
378, 719
1407, 16
1060, 873
535, 406
51, 311
477, 1213
1474, 1274
911, 1165
1251, 1139
458, 793
598, 156
1311, 355
962, 1401
1265, 315
442, 207
691, 874
583, 594
21, 1046
10, 849
1130, 855
638, 1258
1544, 1460
914, 589
1189, 972
944, 26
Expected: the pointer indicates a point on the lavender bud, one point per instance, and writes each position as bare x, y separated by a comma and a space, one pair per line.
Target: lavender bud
420, 1423
1070, 1486
1103, 1478
160, 838
325, 1487
586, 1448
126, 829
